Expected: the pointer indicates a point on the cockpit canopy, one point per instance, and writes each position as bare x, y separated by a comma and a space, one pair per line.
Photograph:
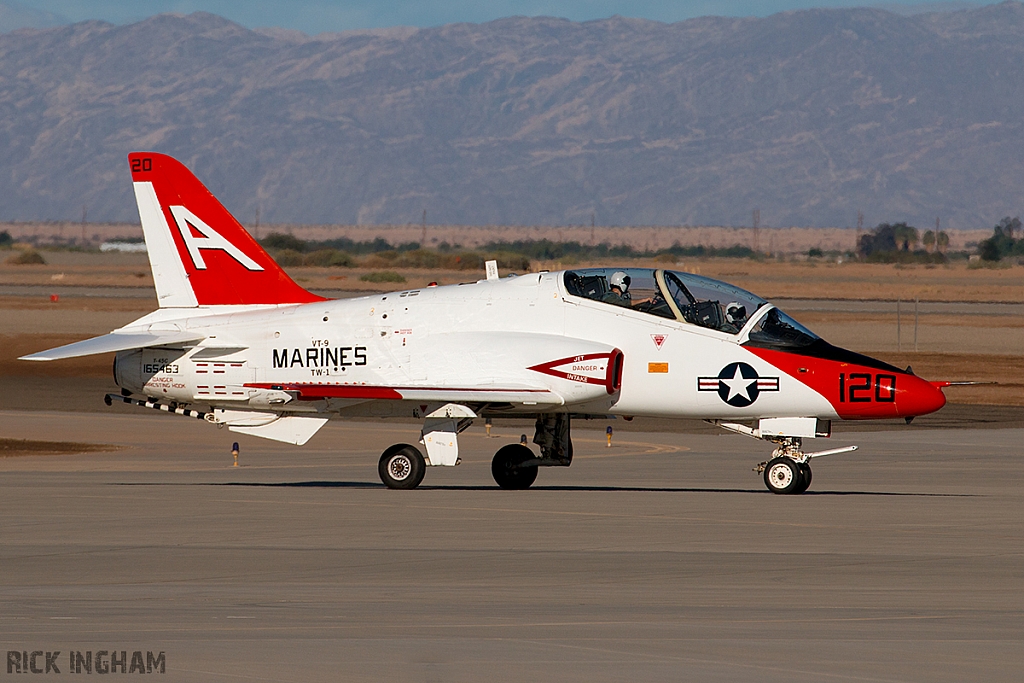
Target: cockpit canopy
691, 299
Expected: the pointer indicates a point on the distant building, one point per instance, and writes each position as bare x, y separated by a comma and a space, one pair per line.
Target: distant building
124, 246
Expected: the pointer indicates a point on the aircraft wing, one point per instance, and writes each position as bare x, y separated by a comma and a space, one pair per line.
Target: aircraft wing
115, 341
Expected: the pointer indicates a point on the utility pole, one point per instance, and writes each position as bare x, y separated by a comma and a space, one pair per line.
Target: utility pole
84, 214
256, 228
423, 236
917, 300
899, 346
757, 225
860, 226
593, 219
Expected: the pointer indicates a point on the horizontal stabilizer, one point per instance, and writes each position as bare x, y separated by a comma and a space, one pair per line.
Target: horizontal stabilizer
115, 341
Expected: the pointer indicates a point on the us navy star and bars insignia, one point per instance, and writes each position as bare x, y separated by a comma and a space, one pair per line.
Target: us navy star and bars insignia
738, 384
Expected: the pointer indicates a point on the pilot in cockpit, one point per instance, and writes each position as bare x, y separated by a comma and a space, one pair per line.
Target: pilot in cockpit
736, 314
618, 291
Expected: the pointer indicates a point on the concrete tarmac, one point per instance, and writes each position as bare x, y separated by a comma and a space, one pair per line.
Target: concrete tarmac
662, 558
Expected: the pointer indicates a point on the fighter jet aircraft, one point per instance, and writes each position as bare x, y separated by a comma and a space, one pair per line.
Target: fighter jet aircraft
236, 336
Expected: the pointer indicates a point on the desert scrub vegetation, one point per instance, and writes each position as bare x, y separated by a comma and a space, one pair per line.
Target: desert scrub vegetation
26, 257
288, 250
511, 256
383, 276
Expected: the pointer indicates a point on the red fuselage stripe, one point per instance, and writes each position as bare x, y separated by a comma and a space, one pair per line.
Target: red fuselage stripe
317, 391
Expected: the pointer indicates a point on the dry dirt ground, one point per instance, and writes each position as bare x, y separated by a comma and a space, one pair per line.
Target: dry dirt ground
959, 336
10, 448
772, 279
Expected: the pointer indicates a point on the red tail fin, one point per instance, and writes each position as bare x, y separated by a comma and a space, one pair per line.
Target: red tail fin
201, 255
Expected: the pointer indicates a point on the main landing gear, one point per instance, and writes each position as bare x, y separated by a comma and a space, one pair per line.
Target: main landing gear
513, 467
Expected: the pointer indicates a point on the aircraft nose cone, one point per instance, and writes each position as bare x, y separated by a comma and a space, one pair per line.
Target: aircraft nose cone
920, 398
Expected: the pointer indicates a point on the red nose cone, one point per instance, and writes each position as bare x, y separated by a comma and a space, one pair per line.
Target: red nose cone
918, 397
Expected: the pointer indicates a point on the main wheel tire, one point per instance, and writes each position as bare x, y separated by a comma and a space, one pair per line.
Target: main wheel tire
506, 469
783, 475
805, 477
401, 467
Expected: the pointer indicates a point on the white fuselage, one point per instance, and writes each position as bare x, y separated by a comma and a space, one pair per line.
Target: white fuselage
485, 339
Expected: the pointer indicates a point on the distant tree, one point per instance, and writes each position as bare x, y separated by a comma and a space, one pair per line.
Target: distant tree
989, 250
942, 241
278, 240
5, 239
880, 240
906, 236
928, 240
887, 238
897, 243
1008, 225
1002, 242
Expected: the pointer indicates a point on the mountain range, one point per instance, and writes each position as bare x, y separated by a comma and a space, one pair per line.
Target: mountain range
808, 116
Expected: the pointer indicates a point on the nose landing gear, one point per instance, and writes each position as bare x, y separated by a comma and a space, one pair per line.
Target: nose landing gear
788, 471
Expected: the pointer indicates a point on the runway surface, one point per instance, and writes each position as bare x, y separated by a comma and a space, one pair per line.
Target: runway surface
660, 559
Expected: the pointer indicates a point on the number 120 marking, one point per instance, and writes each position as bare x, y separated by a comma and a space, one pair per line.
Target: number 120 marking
857, 388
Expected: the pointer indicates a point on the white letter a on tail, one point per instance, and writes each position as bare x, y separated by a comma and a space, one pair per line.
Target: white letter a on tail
211, 239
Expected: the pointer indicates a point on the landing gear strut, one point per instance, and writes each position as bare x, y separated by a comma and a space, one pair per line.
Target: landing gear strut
515, 466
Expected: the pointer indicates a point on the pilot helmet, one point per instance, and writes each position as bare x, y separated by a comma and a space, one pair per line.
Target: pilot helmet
620, 280
735, 312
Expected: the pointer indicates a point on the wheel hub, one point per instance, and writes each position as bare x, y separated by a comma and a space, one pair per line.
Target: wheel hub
399, 467
781, 475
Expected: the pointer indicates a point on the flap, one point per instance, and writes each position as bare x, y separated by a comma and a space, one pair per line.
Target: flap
290, 429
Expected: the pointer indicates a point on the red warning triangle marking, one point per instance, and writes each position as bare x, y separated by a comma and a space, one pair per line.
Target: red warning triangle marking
659, 339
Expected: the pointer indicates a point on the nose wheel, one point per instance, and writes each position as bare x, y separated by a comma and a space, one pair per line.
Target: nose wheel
784, 475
